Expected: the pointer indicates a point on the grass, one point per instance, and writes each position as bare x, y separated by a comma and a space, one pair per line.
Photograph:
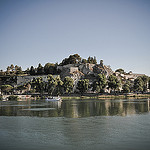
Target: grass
107, 96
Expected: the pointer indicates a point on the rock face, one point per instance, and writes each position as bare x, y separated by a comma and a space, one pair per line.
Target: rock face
102, 69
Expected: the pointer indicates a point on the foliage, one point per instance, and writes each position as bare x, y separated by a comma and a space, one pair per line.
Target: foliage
141, 84
145, 82
40, 69
51, 85
6, 88
38, 84
68, 85
59, 86
13, 98
126, 87
83, 85
113, 82
138, 84
120, 71
92, 60
73, 59
99, 84
32, 71
84, 61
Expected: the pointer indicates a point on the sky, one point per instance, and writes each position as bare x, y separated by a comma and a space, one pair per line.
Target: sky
42, 31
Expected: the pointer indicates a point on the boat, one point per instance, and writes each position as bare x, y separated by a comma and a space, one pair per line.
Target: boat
53, 99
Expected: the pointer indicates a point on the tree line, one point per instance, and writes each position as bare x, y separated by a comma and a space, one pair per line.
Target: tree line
55, 86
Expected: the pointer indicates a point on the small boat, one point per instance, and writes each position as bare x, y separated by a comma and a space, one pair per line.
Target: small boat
52, 99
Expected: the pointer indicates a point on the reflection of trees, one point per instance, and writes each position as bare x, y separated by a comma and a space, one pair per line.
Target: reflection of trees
76, 108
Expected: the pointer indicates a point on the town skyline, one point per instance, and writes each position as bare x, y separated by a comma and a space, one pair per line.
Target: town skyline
34, 32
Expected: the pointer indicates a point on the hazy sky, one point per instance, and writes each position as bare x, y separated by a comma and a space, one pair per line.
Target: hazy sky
41, 31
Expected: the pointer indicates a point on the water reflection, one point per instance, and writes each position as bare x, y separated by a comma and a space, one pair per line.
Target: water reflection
75, 108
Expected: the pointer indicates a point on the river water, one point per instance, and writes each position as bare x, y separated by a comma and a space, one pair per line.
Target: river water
75, 124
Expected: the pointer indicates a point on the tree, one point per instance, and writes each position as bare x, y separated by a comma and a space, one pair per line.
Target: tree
126, 87
99, 84
40, 69
6, 88
145, 82
120, 71
50, 68
8, 70
51, 85
39, 85
83, 85
113, 82
32, 71
19, 70
73, 59
68, 85
138, 84
12, 67
84, 61
92, 60
59, 86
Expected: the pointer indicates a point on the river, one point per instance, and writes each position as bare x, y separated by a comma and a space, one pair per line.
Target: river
75, 124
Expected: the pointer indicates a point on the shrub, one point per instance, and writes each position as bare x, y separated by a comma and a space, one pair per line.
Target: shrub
13, 98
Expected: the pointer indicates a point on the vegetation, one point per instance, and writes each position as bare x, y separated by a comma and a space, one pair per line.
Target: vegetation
113, 83
83, 85
39, 85
6, 88
68, 85
51, 85
13, 98
126, 87
65, 85
100, 83
120, 70
141, 84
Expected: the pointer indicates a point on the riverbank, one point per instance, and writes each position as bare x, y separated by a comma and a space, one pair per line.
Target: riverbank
71, 97
126, 96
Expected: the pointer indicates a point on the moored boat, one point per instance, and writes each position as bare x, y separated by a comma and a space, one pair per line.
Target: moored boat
53, 99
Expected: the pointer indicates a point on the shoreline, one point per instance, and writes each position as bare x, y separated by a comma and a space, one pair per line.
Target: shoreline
78, 97
134, 96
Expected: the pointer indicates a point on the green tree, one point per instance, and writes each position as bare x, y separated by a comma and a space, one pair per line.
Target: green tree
8, 70
83, 85
138, 84
99, 84
113, 82
126, 87
50, 68
120, 71
19, 70
32, 71
40, 69
6, 88
145, 82
39, 85
68, 85
84, 61
73, 59
51, 85
59, 86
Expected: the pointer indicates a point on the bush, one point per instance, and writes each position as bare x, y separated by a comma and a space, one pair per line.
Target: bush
13, 98
0, 97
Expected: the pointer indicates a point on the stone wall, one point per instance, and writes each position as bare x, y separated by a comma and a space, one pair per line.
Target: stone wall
25, 79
